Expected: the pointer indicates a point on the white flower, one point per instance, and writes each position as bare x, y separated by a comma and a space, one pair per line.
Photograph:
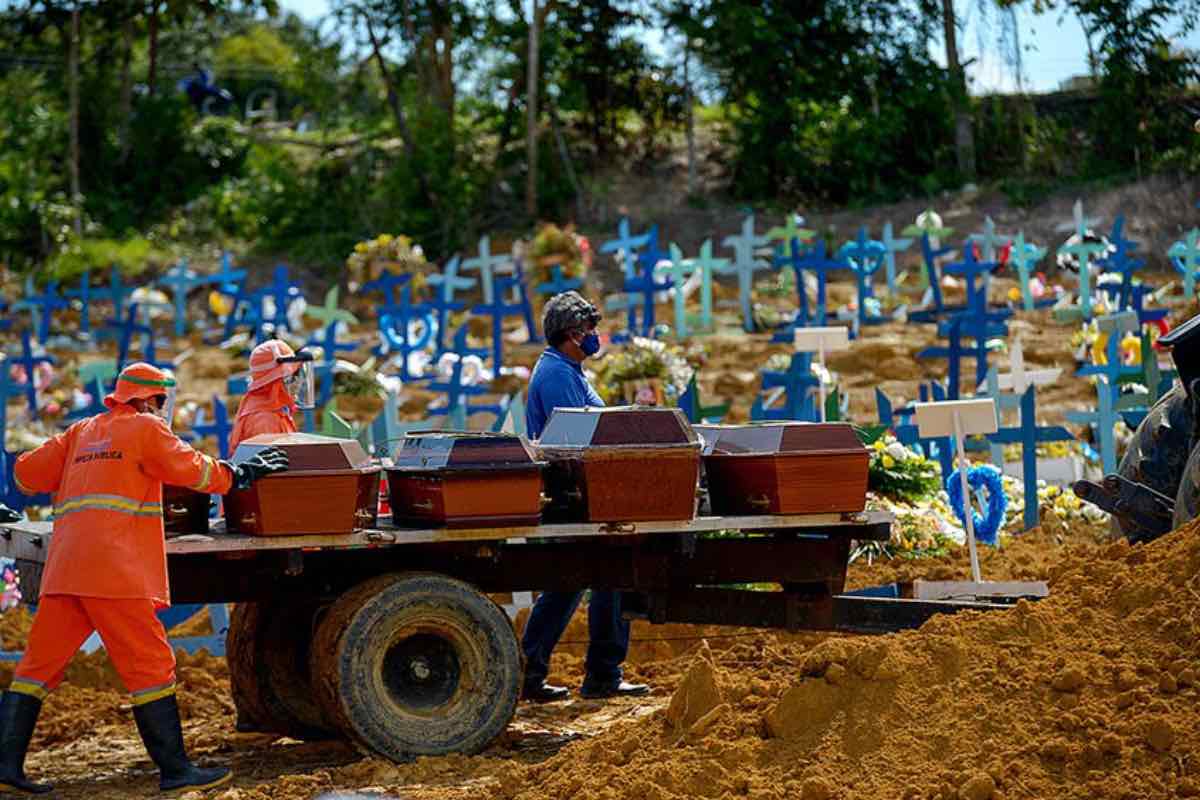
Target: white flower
897, 451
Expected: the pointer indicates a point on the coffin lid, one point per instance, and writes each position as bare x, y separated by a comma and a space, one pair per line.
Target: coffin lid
308, 453
766, 438
622, 426
455, 451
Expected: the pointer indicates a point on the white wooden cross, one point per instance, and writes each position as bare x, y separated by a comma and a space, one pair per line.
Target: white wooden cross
487, 265
745, 264
820, 340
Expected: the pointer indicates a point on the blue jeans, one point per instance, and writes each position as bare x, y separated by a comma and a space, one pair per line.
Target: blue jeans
608, 636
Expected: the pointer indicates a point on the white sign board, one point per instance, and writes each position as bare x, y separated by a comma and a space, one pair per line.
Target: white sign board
822, 340
975, 416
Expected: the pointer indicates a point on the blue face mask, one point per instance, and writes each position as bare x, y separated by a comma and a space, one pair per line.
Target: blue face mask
590, 344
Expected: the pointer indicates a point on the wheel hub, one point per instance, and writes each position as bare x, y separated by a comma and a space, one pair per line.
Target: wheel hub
422, 672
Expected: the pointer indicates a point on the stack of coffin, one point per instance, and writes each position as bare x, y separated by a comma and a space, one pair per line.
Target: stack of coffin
620, 464
784, 468
462, 480
330, 486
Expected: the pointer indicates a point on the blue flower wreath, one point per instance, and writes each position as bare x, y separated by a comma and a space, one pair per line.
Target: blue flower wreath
987, 477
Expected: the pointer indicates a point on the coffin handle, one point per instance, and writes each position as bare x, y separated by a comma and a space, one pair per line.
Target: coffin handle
545, 499
177, 511
759, 501
424, 505
575, 495
249, 520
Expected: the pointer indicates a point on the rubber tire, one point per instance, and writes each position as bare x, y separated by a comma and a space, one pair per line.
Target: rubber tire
1158, 454
267, 649
357, 635
1187, 498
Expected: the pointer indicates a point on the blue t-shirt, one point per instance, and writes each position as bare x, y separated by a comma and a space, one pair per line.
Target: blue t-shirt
557, 382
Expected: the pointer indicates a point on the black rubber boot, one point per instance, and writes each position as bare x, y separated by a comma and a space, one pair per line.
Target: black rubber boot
162, 733
18, 716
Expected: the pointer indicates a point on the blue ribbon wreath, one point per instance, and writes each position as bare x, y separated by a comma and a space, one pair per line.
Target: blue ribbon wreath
987, 477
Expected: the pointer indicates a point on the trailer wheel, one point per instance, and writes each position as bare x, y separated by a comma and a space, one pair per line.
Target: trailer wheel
1187, 499
1158, 454
417, 664
267, 649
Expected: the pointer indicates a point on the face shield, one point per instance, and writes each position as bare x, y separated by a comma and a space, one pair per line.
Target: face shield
163, 405
301, 384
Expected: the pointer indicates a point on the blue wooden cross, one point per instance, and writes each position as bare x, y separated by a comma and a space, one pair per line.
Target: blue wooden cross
180, 280
127, 330
1083, 251
1185, 256
520, 294
453, 387
1024, 256
744, 265
1005, 401
799, 384
558, 283
116, 293
390, 285
627, 245
1138, 305
1029, 436
645, 285
84, 295
219, 428
326, 339
816, 260
227, 277
283, 291
930, 255
891, 246
499, 310
794, 259
246, 310
706, 264
681, 269
959, 327
29, 361
486, 264
396, 330
1104, 418
864, 257
971, 269
1120, 261
41, 306
8, 388
990, 242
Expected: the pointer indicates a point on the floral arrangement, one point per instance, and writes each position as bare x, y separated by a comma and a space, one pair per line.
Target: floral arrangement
398, 255
897, 472
554, 246
11, 596
641, 360
919, 531
1054, 502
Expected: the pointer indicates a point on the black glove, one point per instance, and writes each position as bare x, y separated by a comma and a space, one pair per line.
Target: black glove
264, 462
8, 515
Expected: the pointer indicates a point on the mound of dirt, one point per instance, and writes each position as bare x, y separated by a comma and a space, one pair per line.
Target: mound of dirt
1090, 693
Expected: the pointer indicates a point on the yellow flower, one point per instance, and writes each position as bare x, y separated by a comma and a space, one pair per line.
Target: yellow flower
361, 247
384, 239
879, 445
888, 461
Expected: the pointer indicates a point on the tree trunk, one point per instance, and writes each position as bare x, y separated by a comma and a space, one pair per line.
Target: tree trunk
531, 110
690, 99
406, 135
73, 99
125, 103
964, 136
152, 47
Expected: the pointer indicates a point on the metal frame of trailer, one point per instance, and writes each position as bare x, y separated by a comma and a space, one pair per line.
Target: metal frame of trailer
387, 636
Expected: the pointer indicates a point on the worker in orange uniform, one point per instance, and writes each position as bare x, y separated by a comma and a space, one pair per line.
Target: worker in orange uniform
106, 569
281, 381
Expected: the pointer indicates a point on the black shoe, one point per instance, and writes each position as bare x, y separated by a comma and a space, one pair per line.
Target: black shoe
544, 693
162, 733
18, 716
597, 691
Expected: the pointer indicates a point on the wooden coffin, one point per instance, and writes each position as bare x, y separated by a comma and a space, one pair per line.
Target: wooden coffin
331, 486
784, 468
184, 511
465, 480
621, 464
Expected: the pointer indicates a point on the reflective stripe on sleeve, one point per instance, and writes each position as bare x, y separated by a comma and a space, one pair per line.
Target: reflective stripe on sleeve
144, 696
205, 475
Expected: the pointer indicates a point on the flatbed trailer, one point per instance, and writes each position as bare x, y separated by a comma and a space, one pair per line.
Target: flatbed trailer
387, 636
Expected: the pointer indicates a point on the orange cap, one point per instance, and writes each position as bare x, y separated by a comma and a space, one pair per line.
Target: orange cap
264, 369
139, 380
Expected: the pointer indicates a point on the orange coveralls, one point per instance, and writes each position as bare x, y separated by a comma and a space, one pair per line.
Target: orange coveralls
107, 565
267, 409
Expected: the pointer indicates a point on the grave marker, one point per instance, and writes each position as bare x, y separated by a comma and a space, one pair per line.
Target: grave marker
1185, 256
819, 341
627, 245
219, 428
180, 280
744, 265
485, 263
84, 295
1083, 251
1025, 256
892, 246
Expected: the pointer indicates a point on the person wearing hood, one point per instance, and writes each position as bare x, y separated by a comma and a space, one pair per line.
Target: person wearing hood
281, 381
106, 569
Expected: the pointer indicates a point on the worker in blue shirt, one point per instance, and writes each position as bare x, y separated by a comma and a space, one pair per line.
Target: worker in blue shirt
569, 325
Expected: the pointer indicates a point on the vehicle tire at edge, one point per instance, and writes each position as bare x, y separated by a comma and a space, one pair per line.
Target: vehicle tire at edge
417, 664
